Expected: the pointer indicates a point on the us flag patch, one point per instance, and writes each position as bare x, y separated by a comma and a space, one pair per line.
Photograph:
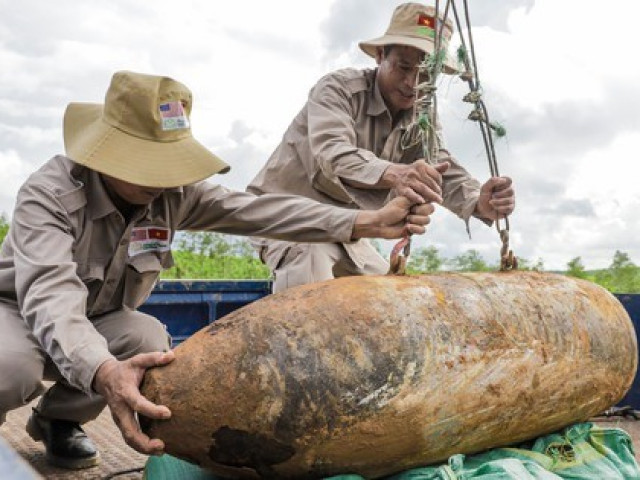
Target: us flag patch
173, 116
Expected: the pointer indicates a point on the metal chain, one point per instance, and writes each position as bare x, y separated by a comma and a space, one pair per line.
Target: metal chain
480, 114
626, 411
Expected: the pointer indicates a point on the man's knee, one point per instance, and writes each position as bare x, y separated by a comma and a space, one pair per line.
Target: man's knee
306, 263
22, 384
137, 333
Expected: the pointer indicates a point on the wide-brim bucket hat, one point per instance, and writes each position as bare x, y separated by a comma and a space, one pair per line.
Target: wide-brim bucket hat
142, 133
414, 25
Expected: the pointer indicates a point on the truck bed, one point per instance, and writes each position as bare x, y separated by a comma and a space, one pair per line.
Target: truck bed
185, 307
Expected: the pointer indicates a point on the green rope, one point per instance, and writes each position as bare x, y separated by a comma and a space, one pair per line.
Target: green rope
423, 122
462, 56
498, 129
434, 62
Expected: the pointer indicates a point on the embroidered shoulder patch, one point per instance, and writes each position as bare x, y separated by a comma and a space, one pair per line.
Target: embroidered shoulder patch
149, 239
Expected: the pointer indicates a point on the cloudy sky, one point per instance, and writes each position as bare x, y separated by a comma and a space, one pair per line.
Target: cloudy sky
561, 76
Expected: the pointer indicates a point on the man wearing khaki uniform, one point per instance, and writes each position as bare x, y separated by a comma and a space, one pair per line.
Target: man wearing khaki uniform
353, 145
88, 238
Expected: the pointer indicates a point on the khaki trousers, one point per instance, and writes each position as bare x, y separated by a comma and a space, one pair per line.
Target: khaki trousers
24, 365
295, 264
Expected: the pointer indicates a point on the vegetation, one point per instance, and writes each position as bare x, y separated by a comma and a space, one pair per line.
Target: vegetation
424, 260
217, 256
622, 276
4, 227
214, 255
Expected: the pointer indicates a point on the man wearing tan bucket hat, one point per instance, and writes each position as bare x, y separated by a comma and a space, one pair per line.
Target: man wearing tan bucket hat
346, 148
91, 232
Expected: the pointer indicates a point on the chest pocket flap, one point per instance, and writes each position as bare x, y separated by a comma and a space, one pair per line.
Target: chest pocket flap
142, 274
149, 262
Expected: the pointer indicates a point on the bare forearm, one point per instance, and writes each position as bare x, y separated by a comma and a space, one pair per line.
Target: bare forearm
366, 225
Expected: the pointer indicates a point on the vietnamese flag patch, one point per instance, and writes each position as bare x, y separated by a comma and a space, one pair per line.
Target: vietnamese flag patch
426, 21
158, 233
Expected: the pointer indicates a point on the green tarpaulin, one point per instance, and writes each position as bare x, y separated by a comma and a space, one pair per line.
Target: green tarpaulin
581, 451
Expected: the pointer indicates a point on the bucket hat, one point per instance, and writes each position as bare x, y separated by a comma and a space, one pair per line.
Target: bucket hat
142, 133
413, 25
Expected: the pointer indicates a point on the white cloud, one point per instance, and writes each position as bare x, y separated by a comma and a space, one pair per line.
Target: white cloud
559, 75
15, 171
607, 173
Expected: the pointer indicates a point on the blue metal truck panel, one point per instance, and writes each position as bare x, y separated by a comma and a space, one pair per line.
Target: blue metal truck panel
186, 306
631, 304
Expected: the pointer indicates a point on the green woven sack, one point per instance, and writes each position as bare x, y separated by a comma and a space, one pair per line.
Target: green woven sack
581, 451
167, 467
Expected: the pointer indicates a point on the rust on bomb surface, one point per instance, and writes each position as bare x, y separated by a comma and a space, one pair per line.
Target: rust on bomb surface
378, 374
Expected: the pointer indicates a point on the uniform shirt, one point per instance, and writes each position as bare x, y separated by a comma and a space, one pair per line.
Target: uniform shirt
70, 255
345, 132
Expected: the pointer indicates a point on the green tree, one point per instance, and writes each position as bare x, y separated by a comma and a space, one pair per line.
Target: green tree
212, 255
575, 268
621, 261
204, 243
469, 261
189, 265
524, 264
425, 259
4, 227
622, 276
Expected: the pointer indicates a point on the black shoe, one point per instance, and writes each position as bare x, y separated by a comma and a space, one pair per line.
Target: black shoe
66, 443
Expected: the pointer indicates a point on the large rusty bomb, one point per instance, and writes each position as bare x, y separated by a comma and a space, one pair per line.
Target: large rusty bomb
378, 374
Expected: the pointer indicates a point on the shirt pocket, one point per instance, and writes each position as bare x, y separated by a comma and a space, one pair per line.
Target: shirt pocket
141, 276
91, 273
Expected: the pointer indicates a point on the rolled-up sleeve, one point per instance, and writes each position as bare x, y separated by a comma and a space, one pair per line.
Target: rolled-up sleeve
207, 206
332, 136
51, 296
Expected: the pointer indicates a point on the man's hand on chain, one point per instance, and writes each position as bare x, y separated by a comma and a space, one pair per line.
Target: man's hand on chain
395, 220
419, 181
497, 198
